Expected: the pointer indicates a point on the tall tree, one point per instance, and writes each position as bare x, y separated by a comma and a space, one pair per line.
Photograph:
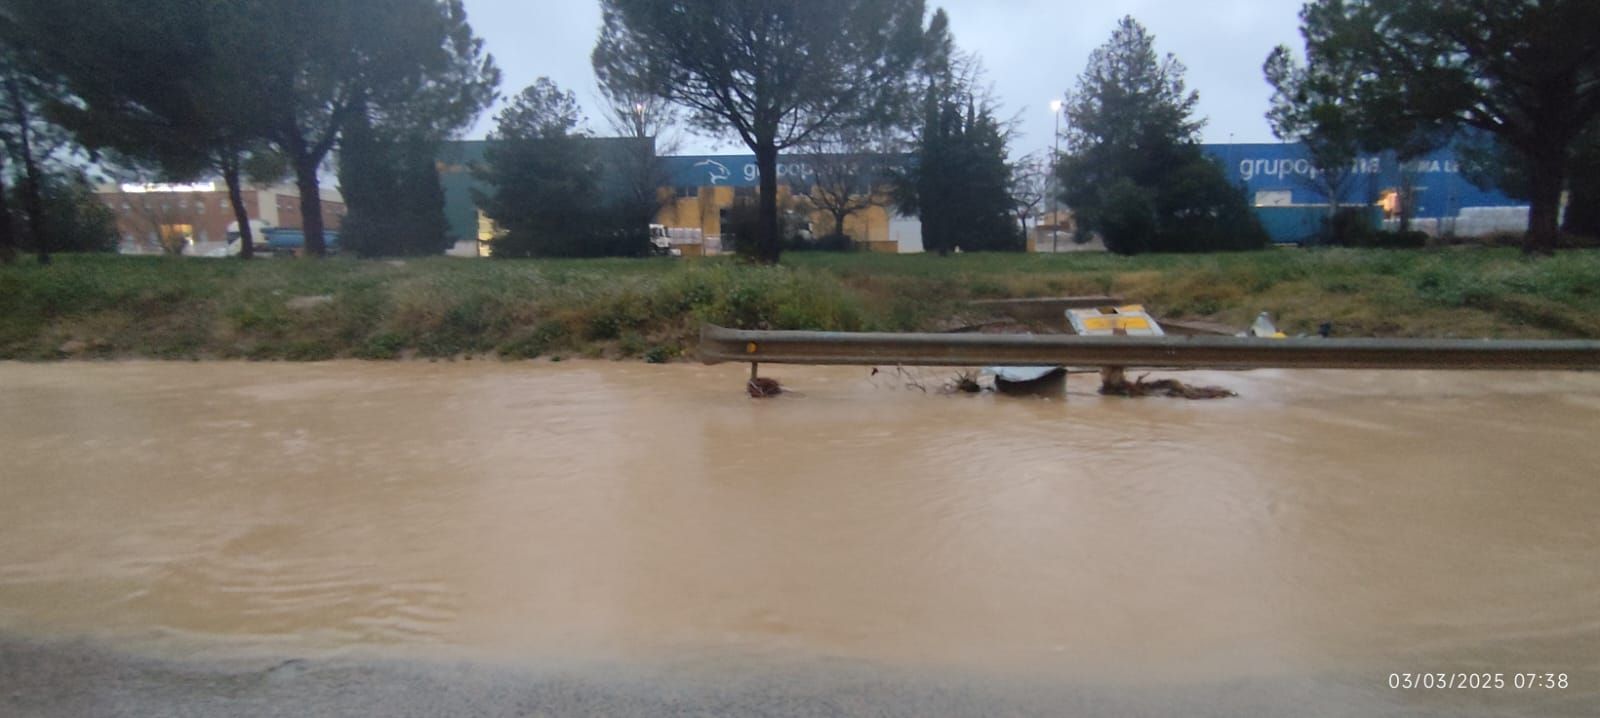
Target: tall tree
1490, 164
388, 175
1526, 72
1310, 106
329, 61
548, 187
957, 182
650, 120
121, 92
196, 85
1134, 171
391, 187
32, 143
774, 72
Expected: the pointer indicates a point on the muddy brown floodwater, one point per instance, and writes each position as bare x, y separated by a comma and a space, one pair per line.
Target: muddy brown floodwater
1325, 529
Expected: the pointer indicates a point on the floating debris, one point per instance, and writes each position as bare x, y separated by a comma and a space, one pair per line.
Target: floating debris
761, 387
965, 383
906, 380
1115, 383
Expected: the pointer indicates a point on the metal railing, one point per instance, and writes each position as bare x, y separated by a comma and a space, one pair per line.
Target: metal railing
720, 344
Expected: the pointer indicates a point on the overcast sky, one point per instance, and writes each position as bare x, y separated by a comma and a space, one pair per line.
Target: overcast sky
1033, 50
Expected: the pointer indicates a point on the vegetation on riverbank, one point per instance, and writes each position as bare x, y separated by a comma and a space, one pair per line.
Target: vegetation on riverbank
113, 306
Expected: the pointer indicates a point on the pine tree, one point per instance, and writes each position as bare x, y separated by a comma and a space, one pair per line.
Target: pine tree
545, 190
391, 186
1134, 172
958, 182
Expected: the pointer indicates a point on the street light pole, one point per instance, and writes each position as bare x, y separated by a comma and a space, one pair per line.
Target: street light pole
1055, 167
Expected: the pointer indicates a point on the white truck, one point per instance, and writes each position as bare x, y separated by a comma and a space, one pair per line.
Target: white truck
662, 240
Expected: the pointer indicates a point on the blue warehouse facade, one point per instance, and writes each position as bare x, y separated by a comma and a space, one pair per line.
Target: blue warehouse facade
1291, 197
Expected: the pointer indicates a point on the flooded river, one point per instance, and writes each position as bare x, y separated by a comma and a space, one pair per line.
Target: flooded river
1326, 528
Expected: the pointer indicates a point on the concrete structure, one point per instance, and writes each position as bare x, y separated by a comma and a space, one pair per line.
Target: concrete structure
1291, 197
200, 216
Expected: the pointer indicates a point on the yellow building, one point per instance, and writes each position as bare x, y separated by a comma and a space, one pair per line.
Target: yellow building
704, 211
705, 190
701, 193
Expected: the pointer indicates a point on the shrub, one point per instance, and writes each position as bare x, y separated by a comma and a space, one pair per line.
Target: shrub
74, 219
1349, 227
829, 243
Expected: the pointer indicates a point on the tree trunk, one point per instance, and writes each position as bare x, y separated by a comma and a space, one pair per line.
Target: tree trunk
838, 224
32, 198
1407, 181
8, 237
767, 249
305, 170
1547, 174
230, 176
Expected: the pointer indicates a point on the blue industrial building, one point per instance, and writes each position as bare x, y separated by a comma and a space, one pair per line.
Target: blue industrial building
1291, 198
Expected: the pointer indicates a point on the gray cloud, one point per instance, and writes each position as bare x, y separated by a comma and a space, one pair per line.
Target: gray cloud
1033, 50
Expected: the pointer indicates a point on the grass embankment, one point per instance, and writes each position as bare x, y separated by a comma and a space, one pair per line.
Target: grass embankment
109, 306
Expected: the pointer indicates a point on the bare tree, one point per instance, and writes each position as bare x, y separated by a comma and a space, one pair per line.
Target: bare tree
1030, 183
847, 175
158, 214
651, 121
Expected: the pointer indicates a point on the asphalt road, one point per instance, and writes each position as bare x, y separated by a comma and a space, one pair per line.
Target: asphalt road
81, 680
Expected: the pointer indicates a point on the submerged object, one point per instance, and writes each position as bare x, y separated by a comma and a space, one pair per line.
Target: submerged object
1043, 380
1114, 382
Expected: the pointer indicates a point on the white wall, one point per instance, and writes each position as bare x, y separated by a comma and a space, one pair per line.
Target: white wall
908, 232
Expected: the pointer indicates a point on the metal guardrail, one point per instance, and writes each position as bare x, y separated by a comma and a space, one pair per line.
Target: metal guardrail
720, 344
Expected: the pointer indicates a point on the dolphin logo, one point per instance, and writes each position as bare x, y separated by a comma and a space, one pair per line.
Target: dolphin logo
717, 171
